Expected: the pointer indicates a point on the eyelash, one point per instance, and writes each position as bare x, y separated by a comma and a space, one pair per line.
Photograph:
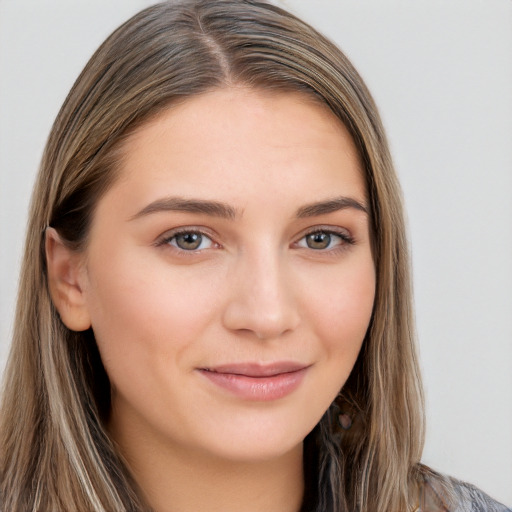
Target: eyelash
168, 237
346, 239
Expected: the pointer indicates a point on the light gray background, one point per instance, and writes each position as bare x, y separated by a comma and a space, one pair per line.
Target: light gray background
441, 72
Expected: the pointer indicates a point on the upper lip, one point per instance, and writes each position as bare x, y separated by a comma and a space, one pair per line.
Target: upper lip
257, 369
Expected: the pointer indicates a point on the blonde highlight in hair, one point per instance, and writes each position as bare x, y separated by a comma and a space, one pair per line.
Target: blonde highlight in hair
55, 451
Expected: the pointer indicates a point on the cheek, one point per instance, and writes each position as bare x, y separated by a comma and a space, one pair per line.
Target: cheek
147, 310
338, 303
341, 310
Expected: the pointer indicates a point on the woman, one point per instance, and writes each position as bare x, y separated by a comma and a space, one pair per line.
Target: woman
214, 308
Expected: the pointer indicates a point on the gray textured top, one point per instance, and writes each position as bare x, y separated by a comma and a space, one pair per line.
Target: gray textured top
452, 495
472, 499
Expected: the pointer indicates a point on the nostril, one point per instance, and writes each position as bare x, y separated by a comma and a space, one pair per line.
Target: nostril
261, 321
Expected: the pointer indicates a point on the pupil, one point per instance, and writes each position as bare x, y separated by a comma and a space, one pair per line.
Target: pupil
318, 240
189, 241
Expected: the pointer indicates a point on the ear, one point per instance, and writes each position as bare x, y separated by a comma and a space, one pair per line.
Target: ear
65, 280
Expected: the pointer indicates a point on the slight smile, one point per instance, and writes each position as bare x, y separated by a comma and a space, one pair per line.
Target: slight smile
256, 382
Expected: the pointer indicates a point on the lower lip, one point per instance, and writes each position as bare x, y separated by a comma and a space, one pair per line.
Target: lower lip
261, 389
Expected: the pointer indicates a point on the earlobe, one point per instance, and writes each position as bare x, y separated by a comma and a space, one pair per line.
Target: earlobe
65, 280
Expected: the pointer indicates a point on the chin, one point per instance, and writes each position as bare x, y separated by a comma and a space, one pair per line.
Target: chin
255, 451
258, 441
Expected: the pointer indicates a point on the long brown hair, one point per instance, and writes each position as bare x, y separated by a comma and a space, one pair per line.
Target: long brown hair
55, 451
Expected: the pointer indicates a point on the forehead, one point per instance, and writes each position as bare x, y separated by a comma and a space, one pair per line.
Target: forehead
238, 141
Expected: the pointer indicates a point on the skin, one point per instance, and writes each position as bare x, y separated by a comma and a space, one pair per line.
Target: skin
256, 289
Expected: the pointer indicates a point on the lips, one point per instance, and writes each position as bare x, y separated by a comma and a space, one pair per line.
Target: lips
256, 382
258, 370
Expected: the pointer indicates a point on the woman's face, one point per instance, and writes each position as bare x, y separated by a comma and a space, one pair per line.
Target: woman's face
228, 277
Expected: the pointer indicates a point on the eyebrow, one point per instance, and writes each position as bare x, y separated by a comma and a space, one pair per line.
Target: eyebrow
225, 211
179, 204
330, 206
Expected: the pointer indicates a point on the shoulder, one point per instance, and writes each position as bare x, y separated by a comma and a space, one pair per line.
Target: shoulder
471, 499
446, 494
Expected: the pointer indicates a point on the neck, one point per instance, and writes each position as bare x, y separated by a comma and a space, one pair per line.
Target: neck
178, 480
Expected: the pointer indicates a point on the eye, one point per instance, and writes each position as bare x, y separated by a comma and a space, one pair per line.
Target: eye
322, 240
189, 241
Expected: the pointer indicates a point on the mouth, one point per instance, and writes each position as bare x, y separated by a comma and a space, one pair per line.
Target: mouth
257, 382
256, 370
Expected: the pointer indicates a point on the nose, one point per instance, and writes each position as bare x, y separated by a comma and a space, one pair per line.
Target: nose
261, 299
